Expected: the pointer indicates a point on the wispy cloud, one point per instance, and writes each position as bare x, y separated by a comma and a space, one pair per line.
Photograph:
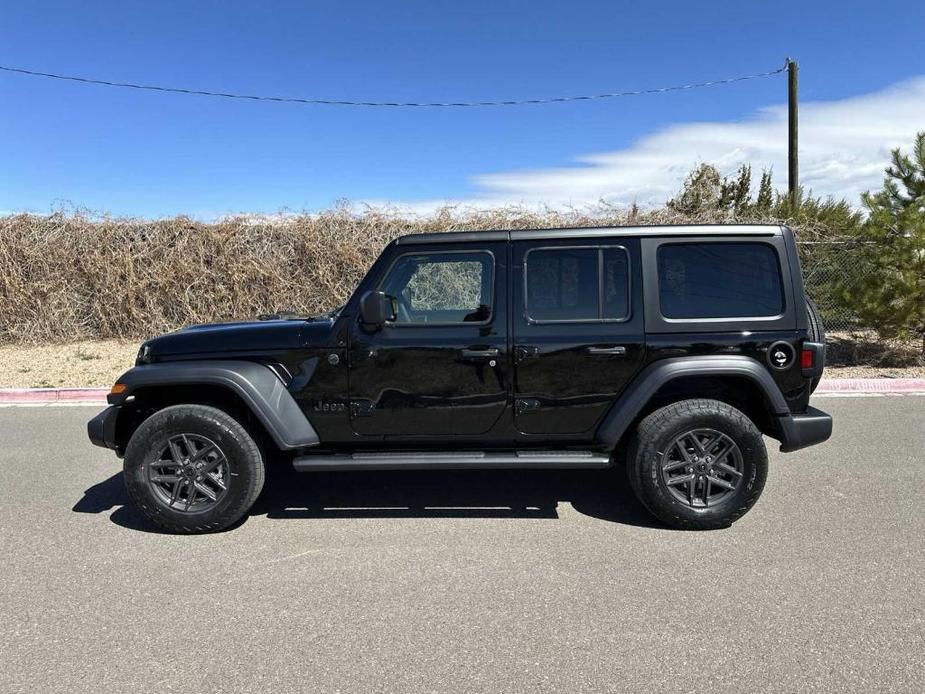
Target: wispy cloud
844, 147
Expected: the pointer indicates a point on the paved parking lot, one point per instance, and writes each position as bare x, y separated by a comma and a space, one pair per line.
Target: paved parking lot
501, 582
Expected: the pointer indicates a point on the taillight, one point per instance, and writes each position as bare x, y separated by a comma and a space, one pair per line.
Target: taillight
806, 359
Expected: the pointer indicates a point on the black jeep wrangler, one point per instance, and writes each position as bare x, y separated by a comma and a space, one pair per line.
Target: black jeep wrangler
670, 350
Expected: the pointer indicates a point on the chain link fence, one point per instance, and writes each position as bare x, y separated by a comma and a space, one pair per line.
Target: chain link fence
830, 269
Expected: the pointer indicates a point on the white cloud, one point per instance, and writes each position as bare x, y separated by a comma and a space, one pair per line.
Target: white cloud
844, 147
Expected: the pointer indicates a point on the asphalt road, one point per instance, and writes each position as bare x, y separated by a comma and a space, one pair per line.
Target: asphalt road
424, 582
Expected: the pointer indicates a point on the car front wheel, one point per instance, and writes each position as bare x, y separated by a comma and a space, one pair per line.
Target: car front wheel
698, 464
193, 469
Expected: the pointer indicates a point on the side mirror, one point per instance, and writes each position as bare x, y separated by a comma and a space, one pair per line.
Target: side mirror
376, 309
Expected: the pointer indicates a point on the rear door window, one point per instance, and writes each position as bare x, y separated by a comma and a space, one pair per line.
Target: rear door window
566, 284
719, 280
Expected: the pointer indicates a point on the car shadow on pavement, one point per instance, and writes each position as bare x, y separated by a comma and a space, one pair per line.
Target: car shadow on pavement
517, 494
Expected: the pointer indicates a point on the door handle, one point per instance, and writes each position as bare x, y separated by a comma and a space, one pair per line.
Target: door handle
618, 351
480, 353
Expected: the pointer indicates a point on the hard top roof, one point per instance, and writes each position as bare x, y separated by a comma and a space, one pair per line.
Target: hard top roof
593, 232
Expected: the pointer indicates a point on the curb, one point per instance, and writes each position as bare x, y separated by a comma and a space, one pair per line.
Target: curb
97, 396
870, 385
47, 396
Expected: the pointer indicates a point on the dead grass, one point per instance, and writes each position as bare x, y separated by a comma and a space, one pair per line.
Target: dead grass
97, 286
874, 372
66, 277
866, 348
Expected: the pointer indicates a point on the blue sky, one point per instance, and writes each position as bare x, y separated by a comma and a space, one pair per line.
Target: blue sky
150, 154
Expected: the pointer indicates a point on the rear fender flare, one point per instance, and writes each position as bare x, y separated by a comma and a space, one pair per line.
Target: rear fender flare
641, 390
259, 388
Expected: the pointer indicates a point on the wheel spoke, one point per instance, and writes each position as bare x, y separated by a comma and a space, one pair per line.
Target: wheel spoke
175, 495
217, 481
698, 444
679, 444
713, 463
203, 452
680, 479
210, 465
728, 469
724, 448
177, 484
205, 490
673, 465
720, 482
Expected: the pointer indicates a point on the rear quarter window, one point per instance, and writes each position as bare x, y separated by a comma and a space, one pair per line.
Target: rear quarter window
719, 280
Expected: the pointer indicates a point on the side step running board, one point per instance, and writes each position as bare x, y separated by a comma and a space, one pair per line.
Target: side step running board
452, 460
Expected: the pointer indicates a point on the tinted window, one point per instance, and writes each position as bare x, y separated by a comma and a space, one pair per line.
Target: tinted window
566, 284
441, 287
719, 280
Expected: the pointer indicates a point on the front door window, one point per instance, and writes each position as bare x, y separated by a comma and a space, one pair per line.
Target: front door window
441, 288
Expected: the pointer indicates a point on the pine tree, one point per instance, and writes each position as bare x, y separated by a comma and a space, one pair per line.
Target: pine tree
700, 192
765, 194
892, 295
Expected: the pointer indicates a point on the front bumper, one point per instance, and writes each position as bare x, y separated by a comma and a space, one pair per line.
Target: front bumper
802, 430
102, 428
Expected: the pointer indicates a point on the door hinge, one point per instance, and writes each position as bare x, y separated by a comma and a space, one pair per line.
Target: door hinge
361, 408
524, 405
524, 352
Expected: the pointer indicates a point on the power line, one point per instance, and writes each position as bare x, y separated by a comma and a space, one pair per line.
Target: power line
335, 102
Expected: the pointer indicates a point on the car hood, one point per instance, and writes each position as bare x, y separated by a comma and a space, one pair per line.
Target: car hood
259, 336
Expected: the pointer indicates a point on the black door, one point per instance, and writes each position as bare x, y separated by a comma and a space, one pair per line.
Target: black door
440, 368
578, 331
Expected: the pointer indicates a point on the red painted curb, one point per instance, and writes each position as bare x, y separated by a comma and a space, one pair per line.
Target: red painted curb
14, 396
871, 385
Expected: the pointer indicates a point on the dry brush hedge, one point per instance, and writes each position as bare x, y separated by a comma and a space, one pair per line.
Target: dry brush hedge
66, 277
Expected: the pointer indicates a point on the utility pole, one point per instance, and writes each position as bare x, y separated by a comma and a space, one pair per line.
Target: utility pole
793, 160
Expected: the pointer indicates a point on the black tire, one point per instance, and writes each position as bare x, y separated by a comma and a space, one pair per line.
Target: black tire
657, 434
241, 470
816, 334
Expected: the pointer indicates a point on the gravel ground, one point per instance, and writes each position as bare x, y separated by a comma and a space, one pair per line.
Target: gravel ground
874, 372
468, 582
78, 364
99, 363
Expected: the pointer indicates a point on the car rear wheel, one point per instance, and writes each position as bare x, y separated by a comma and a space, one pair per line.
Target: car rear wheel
193, 469
698, 464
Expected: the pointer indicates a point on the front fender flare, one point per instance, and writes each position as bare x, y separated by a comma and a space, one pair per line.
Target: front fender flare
640, 391
259, 388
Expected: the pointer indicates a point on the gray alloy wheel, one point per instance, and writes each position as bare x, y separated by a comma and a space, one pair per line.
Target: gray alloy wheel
697, 464
193, 469
191, 474
702, 467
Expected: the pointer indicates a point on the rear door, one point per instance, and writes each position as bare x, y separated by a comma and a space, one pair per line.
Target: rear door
578, 332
